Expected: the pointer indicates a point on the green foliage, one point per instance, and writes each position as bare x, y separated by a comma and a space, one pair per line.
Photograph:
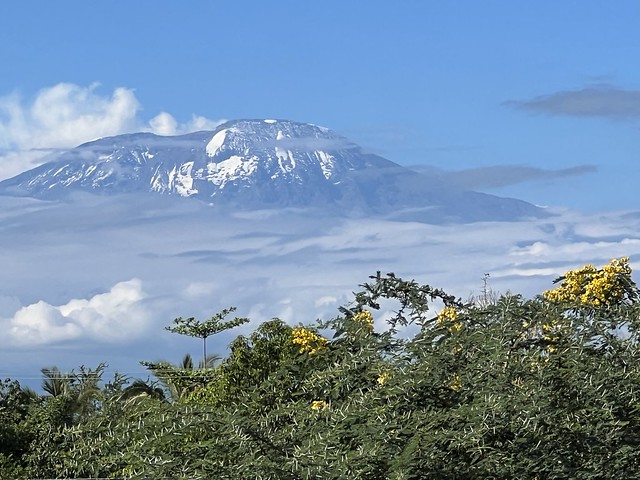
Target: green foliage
515, 388
15, 402
216, 324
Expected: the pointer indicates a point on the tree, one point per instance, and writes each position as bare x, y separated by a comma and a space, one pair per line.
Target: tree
216, 324
55, 383
178, 381
545, 387
15, 402
81, 390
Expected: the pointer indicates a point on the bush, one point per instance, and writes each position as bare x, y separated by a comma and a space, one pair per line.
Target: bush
517, 388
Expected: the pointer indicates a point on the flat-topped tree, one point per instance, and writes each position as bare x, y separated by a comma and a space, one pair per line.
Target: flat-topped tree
216, 324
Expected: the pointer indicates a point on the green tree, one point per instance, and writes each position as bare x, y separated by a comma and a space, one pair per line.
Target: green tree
15, 402
179, 381
540, 388
216, 324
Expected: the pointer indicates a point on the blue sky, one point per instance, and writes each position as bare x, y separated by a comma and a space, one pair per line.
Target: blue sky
453, 85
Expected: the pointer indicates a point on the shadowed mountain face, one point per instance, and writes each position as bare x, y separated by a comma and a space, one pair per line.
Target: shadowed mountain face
257, 164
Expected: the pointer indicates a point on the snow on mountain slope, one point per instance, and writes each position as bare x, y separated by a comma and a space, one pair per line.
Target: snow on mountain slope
260, 164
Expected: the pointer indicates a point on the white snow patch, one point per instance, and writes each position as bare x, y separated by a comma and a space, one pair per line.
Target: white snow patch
286, 161
157, 185
280, 136
320, 127
231, 168
269, 120
216, 143
184, 180
60, 170
181, 181
326, 163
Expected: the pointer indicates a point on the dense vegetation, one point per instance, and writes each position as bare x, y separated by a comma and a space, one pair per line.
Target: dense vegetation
537, 388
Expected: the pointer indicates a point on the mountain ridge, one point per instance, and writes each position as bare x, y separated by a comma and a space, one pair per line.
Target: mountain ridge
263, 163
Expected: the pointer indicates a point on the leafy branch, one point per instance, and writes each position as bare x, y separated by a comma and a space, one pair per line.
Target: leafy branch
216, 324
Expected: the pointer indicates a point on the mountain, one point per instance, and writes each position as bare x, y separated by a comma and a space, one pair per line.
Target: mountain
250, 164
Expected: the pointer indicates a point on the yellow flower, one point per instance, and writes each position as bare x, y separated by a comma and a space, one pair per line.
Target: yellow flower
517, 382
456, 327
456, 383
383, 377
595, 287
319, 405
448, 317
309, 342
365, 318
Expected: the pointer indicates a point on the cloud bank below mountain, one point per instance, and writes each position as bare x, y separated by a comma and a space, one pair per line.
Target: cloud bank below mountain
104, 280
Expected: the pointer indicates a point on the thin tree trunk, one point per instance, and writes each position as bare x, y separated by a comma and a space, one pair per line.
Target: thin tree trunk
204, 352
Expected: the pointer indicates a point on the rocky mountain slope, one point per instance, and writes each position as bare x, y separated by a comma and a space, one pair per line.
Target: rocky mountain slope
250, 164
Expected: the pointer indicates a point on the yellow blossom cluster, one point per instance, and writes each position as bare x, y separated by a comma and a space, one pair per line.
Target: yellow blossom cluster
319, 405
309, 342
456, 383
365, 318
595, 287
517, 382
550, 331
383, 377
448, 317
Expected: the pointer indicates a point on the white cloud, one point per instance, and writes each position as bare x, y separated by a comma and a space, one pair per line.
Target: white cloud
67, 115
15, 162
106, 317
276, 264
165, 124
199, 122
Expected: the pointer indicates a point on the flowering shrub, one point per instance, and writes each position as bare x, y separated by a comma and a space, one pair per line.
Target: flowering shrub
308, 341
319, 405
382, 378
448, 317
541, 388
608, 285
456, 383
365, 318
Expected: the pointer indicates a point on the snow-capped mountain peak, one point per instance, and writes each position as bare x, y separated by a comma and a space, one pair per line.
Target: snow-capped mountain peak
256, 164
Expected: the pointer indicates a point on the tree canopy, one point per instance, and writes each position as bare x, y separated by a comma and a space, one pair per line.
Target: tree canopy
406, 382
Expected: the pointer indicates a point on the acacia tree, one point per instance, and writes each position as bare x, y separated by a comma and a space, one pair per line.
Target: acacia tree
541, 388
216, 324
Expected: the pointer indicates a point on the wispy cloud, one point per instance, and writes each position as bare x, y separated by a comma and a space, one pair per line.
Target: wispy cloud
286, 264
602, 100
502, 175
66, 115
312, 143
